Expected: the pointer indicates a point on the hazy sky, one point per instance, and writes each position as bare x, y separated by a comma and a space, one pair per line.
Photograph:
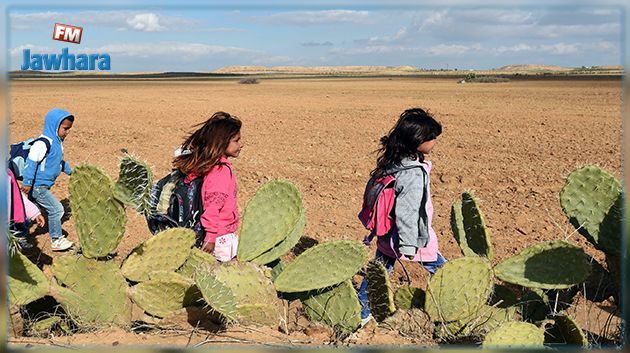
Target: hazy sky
204, 39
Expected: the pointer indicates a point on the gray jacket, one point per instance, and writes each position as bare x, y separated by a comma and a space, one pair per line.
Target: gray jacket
412, 221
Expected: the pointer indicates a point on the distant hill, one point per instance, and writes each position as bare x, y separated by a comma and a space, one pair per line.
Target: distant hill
533, 68
317, 69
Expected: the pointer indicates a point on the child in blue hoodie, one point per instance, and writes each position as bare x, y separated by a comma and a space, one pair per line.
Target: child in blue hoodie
42, 168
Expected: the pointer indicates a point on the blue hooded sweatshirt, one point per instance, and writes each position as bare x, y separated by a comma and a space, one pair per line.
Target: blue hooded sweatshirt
51, 166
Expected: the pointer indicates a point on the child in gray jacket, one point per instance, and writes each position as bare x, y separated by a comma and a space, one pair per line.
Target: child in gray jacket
402, 155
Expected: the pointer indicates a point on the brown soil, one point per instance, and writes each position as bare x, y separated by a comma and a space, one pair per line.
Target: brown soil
511, 143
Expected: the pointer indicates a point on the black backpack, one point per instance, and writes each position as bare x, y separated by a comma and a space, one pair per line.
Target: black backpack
175, 203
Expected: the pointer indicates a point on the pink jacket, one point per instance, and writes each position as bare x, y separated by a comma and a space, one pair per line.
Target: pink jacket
220, 211
20, 207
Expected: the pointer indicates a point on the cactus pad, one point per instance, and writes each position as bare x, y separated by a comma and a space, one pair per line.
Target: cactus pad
254, 295
134, 184
379, 291
409, 297
99, 217
458, 289
218, 296
469, 227
284, 246
515, 334
96, 292
593, 201
549, 265
166, 251
163, 294
321, 266
270, 216
196, 258
569, 330
27, 282
338, 307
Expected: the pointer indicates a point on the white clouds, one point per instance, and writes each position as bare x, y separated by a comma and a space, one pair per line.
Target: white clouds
148, 22
518, 48
453, 49
170, 49
560, 48
125, 20
316, 17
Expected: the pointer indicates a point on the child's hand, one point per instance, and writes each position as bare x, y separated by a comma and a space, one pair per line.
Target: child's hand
25, 189
40, 220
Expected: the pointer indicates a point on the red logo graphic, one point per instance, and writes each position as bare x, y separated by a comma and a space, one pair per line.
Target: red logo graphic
67, 33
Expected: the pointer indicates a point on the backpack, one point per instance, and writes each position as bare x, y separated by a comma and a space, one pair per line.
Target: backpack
18, 153
175, 203
379, 197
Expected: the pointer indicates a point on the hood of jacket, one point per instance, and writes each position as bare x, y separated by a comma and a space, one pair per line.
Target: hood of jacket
405, 163
52, 121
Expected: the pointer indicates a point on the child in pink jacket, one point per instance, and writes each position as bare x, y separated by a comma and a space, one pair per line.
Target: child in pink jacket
21, 211
206, 152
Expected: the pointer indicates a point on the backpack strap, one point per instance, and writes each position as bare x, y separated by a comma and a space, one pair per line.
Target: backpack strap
47, 144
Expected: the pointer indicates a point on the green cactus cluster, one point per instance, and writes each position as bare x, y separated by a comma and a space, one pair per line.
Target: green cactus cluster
166, 274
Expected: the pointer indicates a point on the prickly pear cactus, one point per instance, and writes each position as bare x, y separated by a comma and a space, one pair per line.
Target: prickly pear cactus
379, 291
284, 246
469, 227
549, 265
566, 330
270, 216
321, 266
95, 292
337, 307
42, 328
99, 217
216, 294
27, 282
163, 294
409, 297
196, 258
134, 184
254, 294
458, 289
515, 334
166, 251
593, 201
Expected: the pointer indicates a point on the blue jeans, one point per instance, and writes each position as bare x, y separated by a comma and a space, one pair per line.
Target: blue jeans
54, 209
389, 262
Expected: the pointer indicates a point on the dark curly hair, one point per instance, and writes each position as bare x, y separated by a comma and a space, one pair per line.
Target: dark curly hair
414, 127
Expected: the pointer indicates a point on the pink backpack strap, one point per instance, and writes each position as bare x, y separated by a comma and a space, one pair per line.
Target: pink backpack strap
18, 213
